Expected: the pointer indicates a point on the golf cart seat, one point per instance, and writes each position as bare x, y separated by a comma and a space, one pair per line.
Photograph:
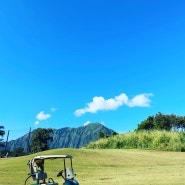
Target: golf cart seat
41, 176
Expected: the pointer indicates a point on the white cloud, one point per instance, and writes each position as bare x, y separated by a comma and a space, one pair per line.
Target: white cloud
87, 123
141, 100
102, 122
53, 109
42, 116
99, 103
36, 122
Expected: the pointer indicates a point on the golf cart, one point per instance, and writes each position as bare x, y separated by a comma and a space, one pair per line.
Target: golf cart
36, 168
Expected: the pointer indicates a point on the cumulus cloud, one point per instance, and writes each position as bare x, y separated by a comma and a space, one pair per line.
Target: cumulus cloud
101, 104
42, 116
141, 100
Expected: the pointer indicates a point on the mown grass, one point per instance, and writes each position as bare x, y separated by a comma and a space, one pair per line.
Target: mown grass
152, 140
107, 166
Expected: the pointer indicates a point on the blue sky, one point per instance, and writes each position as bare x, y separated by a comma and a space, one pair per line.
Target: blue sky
68, 63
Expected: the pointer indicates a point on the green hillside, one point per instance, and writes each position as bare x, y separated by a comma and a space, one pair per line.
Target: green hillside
152, 140
108, 166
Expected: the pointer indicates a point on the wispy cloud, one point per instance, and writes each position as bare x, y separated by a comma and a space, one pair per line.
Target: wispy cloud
89, 122
53, 109
99, 103
36, 122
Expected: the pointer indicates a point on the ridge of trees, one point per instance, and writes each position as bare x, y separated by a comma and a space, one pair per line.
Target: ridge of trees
169, 122
2, 132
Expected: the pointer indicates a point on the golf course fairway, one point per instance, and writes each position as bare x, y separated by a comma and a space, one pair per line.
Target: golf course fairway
102, 167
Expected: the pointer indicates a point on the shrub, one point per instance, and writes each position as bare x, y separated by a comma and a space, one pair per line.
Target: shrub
154, 140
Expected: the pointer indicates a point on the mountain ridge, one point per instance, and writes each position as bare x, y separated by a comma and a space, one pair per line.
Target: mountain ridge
66, 137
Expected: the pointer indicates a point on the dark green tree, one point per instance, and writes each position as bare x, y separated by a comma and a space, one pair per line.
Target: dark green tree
40, 139
102, 135
147, 124
2, 133
113, 134
163, 122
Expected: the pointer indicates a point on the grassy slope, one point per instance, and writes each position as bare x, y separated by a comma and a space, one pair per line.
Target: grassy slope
109, 166
152, 140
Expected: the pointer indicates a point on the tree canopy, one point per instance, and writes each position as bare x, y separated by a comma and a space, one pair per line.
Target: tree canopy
163, 122
40, 139
2, 132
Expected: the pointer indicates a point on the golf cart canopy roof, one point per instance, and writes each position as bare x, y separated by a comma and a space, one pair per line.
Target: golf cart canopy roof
52, 157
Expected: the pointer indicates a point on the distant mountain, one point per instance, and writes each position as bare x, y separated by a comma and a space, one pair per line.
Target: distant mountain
66, 137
